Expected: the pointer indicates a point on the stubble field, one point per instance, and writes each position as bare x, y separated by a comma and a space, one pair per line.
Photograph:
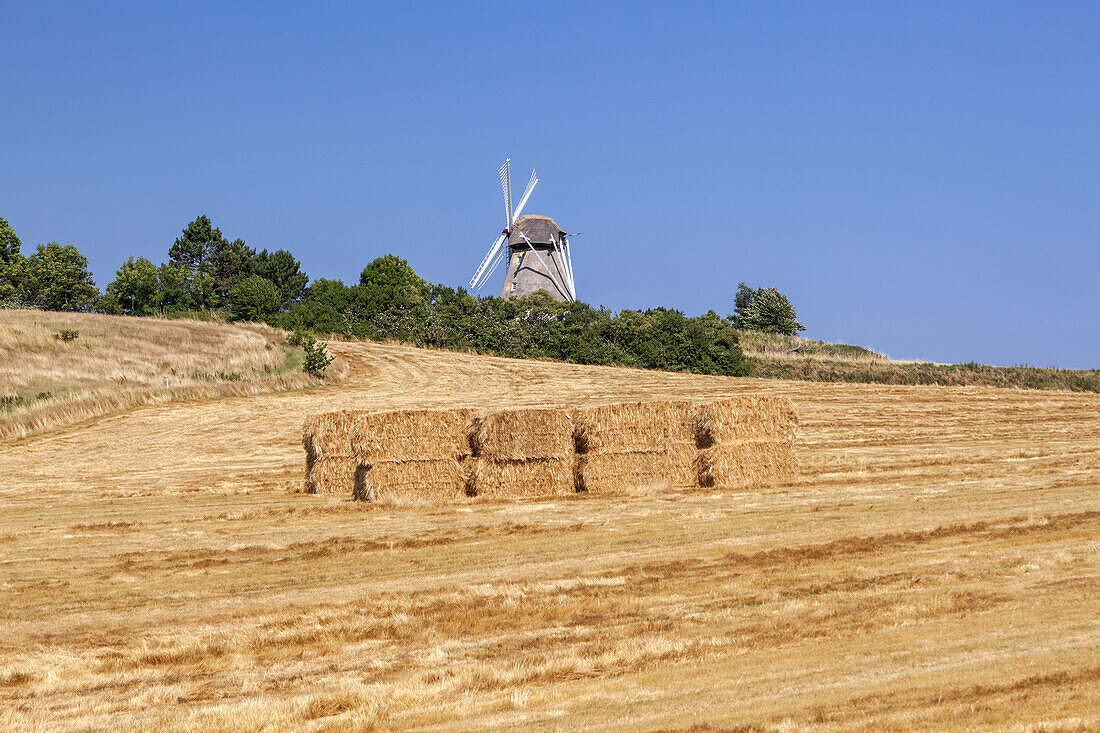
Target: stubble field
936, 564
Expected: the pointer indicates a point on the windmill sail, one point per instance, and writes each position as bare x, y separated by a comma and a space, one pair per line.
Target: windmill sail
526, 195
506, 184
481, 274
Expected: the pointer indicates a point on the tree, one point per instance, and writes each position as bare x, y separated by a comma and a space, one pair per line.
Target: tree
57, 278
196, 251
764, 309
254, 299
281, 268
321, 309
388, 283
11, 262
172, 288
742, 301
231, 262
9, 242
134, 289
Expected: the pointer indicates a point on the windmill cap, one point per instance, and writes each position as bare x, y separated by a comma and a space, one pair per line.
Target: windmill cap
539, 229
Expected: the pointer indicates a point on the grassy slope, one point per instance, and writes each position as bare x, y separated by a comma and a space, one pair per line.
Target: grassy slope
117, 362
783, 357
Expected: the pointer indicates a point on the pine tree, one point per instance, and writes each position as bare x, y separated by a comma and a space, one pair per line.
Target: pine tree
764, 309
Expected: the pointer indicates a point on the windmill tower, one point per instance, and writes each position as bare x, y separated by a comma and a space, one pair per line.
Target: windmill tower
538, 251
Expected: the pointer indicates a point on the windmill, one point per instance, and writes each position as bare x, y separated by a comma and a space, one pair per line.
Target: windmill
538, 250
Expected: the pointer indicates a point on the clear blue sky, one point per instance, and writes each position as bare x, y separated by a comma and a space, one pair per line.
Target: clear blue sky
921, 178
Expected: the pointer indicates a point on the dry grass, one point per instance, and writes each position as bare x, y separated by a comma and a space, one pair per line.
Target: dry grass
933, 565
116, 363
774, 356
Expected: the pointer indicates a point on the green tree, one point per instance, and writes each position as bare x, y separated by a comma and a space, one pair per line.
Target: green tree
57, 278
281, 268
742, 301
196, 251
388, 283
11, 262
254, 299
9, 242
172, 288
134, 289
321, 309
231, 262
764, 309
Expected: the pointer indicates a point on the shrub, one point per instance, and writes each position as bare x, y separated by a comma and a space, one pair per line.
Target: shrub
67, 334
10, 401
317, 357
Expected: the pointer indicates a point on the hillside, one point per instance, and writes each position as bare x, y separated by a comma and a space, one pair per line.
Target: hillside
790, 357
933, 565
60, 368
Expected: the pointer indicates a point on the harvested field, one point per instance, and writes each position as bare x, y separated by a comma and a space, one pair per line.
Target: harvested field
933, 564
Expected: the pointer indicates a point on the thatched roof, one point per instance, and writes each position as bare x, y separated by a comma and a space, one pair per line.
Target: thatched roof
539, 229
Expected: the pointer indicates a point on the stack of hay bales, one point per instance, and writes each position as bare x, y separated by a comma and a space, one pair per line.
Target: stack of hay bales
745, 442
522, 452
443, 454
398, 455
410, 454
330, 460
623, 446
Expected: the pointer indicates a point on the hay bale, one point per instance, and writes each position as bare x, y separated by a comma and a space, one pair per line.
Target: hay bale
432, 480
617, 472
632, 427
747, 464
410, 435
523, 434
684, 415
470, 469
330, 476
327, 436
682, 469
751, 417
537, 477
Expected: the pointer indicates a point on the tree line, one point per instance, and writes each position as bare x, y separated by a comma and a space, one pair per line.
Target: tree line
205, 271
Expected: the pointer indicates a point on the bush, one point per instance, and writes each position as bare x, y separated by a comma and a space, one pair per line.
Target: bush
67, 334
317, 357
255, 299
